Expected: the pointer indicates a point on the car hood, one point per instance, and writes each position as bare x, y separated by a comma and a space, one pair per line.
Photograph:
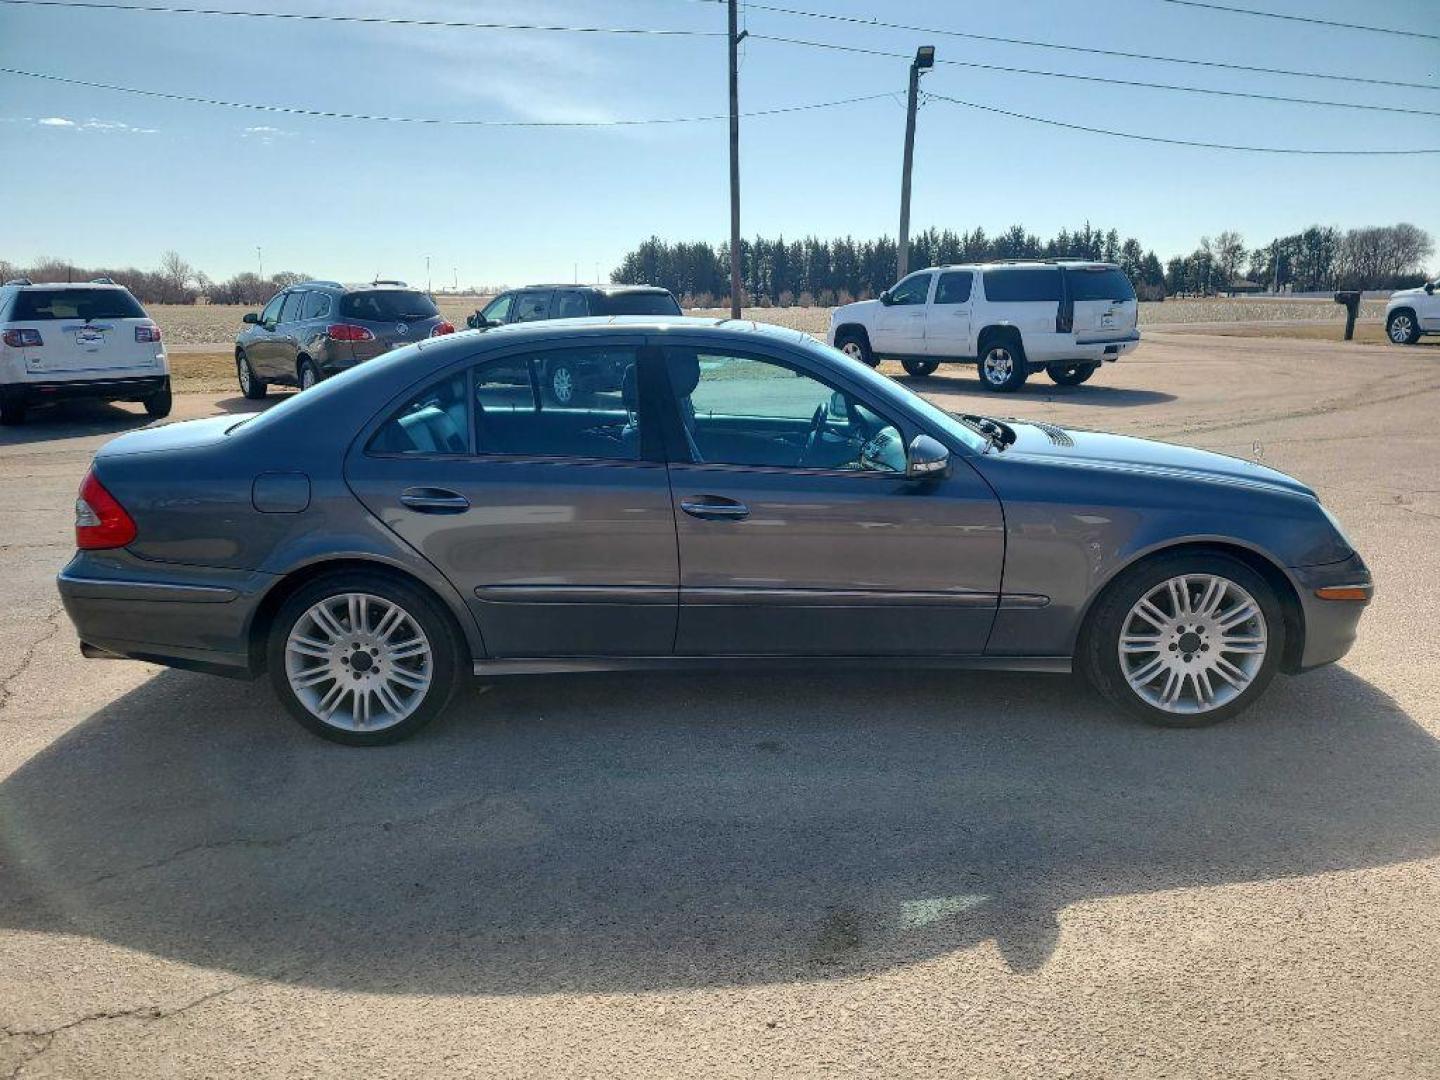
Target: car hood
1406, 294
861, 309
1125, 453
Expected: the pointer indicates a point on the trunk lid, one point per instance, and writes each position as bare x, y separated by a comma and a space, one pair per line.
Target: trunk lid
1103, 302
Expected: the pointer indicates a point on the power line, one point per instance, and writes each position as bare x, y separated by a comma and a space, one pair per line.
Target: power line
296, 110
1171, 142
446, 24
1302, 19
975, 65
858, 20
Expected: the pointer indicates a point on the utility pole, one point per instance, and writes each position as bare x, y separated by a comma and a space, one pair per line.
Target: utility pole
427, 274
734, 39
261, 260
924, 61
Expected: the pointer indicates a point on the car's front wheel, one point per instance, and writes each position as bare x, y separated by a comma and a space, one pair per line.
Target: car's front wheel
920, 368
251, 385
1070, 374
1184, 640
856, 345
1402, 327
363, 658
1002, 366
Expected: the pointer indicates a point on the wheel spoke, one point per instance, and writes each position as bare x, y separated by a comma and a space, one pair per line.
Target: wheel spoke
1212, 596
1242, 645
1146, 672
388, 623
308, 646
1241, 612
311, 677
407, 678
407, 649
1230, 673
1151, 614
359, 619
1174, 682
1179, 589
1204, 689
1140, 643
331, 701
322, 617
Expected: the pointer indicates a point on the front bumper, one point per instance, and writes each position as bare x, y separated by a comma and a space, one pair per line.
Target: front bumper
1329, 625
181, 616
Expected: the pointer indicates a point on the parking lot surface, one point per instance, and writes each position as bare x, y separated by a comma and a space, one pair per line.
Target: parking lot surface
882, 873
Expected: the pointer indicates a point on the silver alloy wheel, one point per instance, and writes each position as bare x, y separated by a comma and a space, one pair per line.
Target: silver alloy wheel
1193, 643
853, 350
359, 662
999, 365
1401, 327
307, 377
246, 376
562, 385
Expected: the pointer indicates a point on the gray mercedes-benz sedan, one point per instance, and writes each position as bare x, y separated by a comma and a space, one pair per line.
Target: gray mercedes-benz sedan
746, 496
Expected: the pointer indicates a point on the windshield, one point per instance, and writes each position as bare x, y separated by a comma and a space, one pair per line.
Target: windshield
386, 304
40, 305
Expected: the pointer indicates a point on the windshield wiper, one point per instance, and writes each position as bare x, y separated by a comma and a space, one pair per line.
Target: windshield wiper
998, 433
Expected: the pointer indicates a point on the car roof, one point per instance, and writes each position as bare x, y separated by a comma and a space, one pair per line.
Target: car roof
542, 328
22, 285
1026, 264
608, 290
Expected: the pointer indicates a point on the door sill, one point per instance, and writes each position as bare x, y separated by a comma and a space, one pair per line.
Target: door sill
1056, 665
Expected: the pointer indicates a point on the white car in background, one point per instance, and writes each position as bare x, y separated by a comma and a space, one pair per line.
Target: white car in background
72, 340
1412, 312
1009, 319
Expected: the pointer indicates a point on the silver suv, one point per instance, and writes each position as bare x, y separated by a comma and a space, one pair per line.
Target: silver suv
78, 340
315, 329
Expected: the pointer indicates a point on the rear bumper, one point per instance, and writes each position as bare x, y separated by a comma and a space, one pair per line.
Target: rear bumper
1330, 625
187, 617
108, 389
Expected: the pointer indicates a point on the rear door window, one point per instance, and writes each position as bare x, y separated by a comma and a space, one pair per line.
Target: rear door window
434, 421
291, 311
1099, 283
571, 305
317, 306
531, 306
41, 305
1023, 284
954, 287
388, 305
515, 412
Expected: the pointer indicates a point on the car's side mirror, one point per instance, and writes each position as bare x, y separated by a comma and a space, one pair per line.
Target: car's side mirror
1429, 288
926, 459
250, 317
886, 298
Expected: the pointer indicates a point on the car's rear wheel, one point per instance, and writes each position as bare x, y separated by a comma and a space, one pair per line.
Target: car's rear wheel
920, 368
1185, 640
1070, 374
157, 405
1002, 365
309, 373
1402, 327
856, 345
251, 385
363, 659
561, 381
12, 410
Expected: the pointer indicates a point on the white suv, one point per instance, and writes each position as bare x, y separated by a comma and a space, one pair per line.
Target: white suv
1412, 312
1010, 319
89, 340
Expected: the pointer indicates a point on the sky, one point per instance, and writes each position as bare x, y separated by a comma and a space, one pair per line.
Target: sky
101, 177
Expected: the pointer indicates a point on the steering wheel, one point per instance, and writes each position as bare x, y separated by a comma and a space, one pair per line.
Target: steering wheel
817, 431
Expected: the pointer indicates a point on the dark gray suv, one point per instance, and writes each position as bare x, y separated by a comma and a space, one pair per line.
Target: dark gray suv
317, 328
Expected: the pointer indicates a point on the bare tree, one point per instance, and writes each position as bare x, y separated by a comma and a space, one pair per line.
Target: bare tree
1228, 250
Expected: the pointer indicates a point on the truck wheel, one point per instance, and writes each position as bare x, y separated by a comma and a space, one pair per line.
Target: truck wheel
856, 345
1070, 374
920, 368
1002, 365
1402, 327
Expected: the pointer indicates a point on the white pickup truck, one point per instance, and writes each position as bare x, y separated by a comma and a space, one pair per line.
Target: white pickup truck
1009, 319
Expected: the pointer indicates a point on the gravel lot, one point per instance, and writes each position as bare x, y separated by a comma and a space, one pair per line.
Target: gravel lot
888, 874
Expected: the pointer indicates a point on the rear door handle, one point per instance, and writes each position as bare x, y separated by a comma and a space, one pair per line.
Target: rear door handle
431, 500
714, 507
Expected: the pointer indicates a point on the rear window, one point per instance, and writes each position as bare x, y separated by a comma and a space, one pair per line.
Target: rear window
1101, 283
1018, 284
38, 305
386, 304
636, 304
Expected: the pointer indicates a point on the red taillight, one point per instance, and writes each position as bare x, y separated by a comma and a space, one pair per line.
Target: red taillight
100, 521
147, 333
442, 328
348, 332
19, 339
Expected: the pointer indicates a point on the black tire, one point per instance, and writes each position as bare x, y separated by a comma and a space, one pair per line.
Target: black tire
309, 374
12, 411
447, 652
1072, 374
251, 385
856, 345
1098, 653
1402, 327
157, 405
920, 368
1001, 365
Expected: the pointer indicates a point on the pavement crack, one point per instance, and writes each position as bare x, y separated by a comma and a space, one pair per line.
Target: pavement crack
27, 656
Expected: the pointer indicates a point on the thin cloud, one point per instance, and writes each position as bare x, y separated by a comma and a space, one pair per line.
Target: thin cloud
56, 122
94, 124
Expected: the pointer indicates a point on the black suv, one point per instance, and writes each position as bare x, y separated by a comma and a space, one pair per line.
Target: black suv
561, 380
316, 328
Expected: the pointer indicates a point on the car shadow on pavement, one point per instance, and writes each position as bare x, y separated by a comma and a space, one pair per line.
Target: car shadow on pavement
73, 419
625, 832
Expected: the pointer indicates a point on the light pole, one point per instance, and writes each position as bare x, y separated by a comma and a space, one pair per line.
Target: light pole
261, 260
923, 62
427, 273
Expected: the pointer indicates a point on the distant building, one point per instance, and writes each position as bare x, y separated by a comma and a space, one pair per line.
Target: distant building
1240, 286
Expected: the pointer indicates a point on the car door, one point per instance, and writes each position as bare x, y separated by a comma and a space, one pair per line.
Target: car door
900, 322
555, 524
798, 531
1427, 308
261, 344
282, 344
948, 325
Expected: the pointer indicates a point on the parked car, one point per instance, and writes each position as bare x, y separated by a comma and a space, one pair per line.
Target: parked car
749, 497
1413, 312
315, 329
562, 381
78, 340
1009, 319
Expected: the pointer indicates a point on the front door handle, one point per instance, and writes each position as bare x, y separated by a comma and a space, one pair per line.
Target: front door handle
715, 507
431, 500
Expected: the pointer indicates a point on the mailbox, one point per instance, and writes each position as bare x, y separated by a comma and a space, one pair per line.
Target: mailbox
1351, 300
